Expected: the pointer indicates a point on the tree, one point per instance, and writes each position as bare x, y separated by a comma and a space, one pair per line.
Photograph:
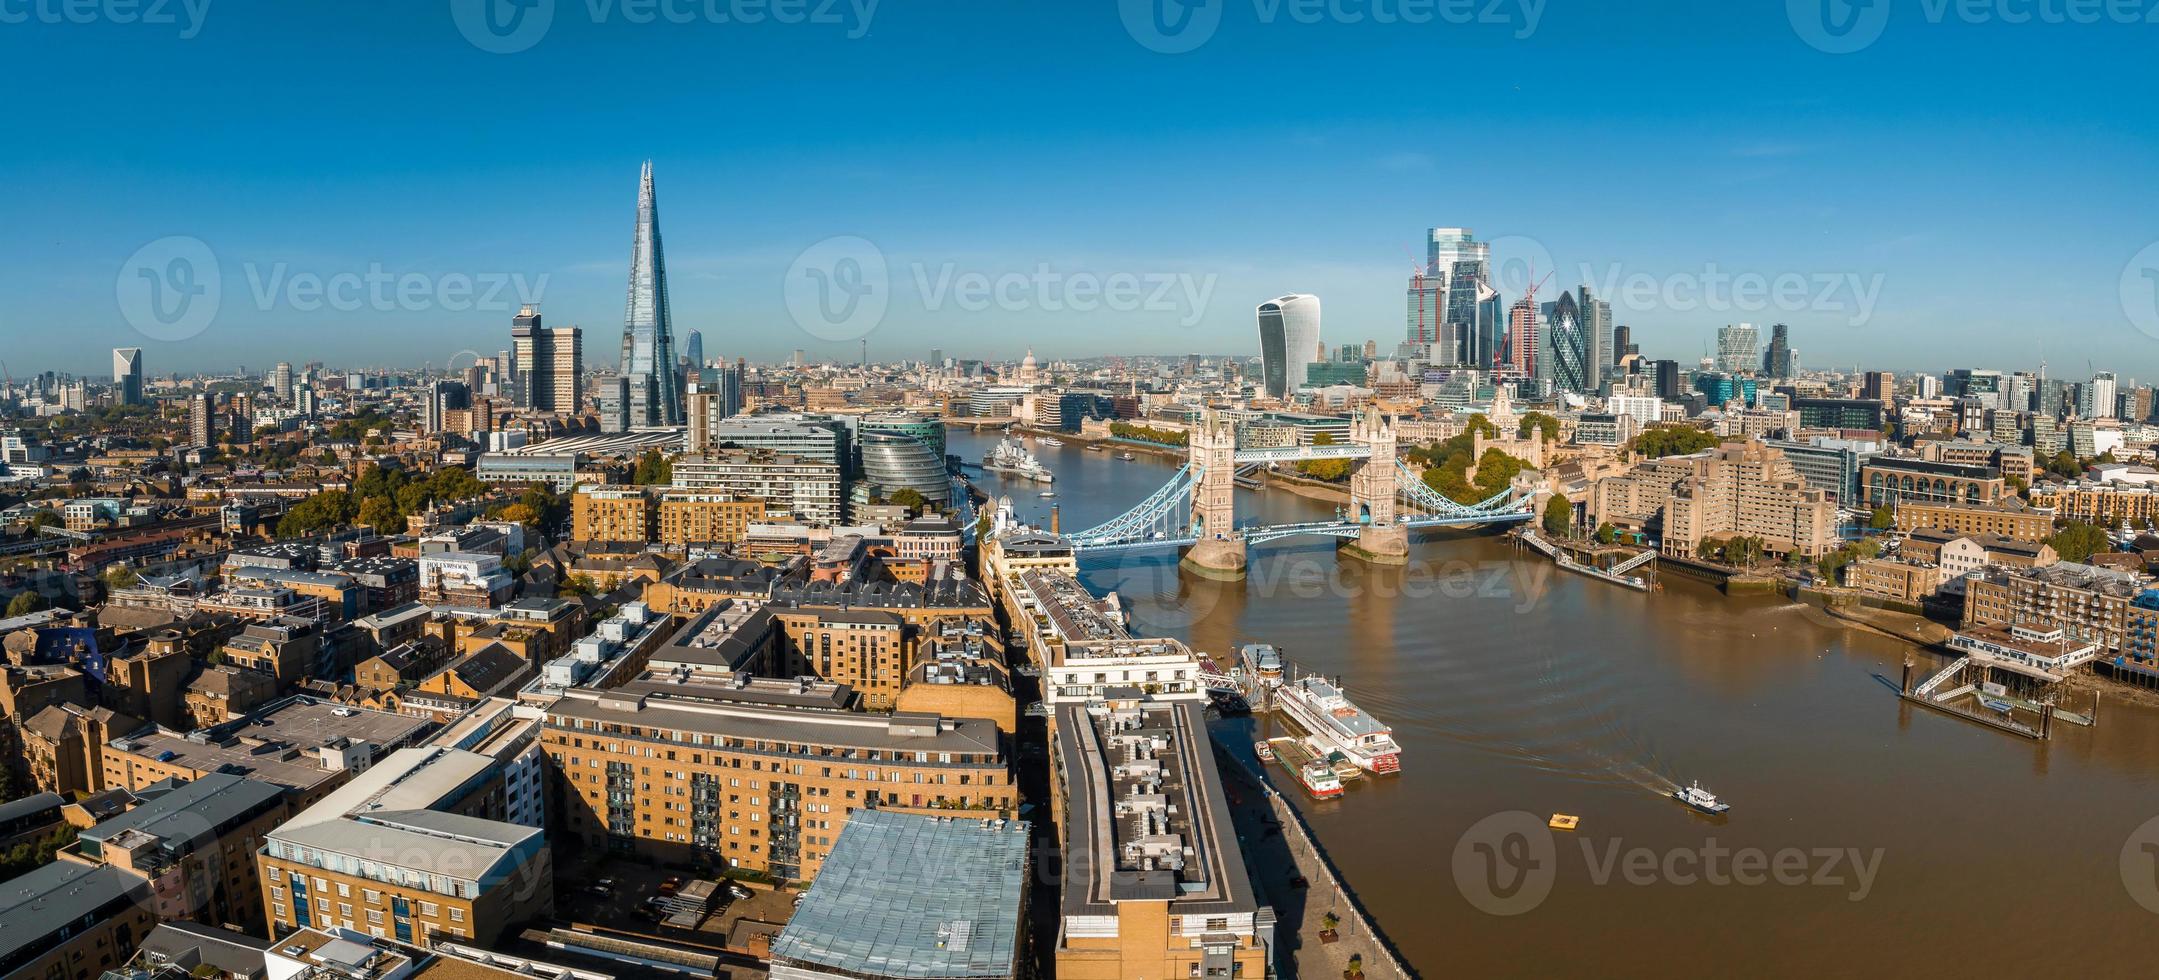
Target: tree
1658, 443
321, 512
1607, 534
1330, 470
1539, 420
1883, 519
2079, 541
46, 518
25, 603
1559, 515
653, 468
579, 585
909, 498
379, 513
118, 577
521, 514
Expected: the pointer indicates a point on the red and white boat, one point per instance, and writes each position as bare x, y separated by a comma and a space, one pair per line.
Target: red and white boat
1337, 724
1319, 780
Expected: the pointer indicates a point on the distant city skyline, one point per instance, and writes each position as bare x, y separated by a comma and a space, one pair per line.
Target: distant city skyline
1776, 171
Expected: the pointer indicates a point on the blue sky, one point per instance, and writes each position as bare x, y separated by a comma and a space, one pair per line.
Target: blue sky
1956, 193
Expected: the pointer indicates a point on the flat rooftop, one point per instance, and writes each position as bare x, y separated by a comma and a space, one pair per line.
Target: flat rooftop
275, 745
1145, 814
924, 898
701, 712
1074, 613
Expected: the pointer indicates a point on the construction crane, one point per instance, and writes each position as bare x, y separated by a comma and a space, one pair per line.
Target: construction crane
1427, 322
1500, 359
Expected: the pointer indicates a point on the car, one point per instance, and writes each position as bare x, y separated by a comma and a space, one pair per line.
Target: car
671, 885
739, 892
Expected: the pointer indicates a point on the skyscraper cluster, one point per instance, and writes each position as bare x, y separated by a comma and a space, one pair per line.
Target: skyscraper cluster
547, 364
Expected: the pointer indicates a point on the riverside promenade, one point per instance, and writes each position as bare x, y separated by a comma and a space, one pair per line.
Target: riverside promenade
1281, 851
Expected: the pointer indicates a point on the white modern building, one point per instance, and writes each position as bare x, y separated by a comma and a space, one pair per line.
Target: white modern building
1288, 342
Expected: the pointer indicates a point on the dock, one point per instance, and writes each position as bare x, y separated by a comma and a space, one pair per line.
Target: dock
1617, 574
1295, 753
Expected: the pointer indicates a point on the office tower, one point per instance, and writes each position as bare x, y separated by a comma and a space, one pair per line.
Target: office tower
648, 333
1288, 341
1521, 358
1930, 386
1739, 348
281, 381
1426, 308
1880, 386
1594, 322
202, 419
1667, 375
444, 397
1468, 330
937, 357
548, 362
1778, 362
1371, 350
127, 375
2018, 391
1571, 361
694, 349
611, 401
1622, 343
2099, 397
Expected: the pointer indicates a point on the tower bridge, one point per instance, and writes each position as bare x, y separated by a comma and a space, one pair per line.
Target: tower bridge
1196, 509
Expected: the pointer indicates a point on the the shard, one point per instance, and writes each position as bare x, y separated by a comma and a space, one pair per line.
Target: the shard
648, 335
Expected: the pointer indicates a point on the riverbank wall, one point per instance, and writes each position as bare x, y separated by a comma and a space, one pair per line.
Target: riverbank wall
1359, 934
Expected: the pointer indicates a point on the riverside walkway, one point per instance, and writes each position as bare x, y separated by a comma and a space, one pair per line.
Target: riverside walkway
1281, 851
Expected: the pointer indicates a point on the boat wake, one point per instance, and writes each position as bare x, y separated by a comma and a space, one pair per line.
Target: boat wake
1553, 711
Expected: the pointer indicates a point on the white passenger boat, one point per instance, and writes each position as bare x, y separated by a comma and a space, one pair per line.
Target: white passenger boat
1336, 723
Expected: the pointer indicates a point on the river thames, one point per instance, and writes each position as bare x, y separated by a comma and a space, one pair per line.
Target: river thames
1865, 836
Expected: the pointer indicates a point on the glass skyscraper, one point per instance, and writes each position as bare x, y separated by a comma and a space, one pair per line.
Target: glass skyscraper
648, 335
1288, 342
1460, 267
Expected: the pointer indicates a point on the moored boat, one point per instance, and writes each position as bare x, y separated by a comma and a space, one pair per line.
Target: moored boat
1262, 663
1336, 724
1319, 780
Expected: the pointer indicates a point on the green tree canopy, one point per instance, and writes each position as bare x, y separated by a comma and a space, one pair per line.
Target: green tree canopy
25, 603
1559, 515
2079, 541
653, 469
1659, 443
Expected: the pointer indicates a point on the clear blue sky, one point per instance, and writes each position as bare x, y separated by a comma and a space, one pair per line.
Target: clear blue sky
1993, 179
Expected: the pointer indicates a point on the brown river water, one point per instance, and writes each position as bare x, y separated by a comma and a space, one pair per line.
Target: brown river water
1867, 837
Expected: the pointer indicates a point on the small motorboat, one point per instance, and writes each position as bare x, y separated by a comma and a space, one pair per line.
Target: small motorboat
1264, 751
1701, 799
1565, 821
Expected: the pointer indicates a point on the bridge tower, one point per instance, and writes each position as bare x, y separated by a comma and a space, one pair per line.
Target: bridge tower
1219, 552
1372, 489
